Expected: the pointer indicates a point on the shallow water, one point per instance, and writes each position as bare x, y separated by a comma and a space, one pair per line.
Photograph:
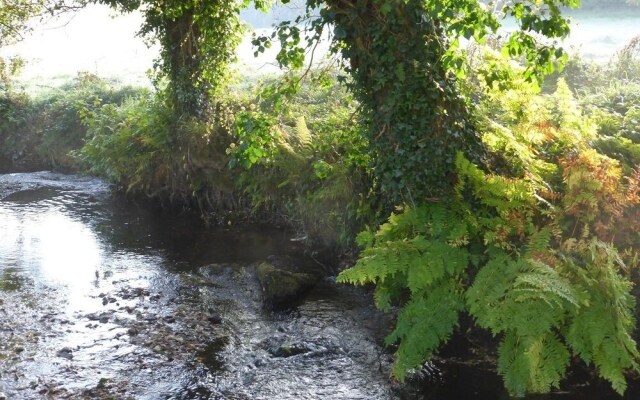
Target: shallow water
103, 299
100, 298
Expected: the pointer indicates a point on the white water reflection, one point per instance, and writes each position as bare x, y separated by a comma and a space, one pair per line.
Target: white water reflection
50, 247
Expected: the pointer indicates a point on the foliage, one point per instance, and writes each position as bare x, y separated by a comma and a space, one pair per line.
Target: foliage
14, 15
198, 41
523, 251
16, 109
39, 132
61, 127
139, 146
129, 144
401, 56
613, 101
509, 212
9, 68
305, 163
256, 140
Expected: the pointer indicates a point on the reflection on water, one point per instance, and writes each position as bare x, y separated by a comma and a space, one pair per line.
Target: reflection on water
83, 274
50, 246
47, 244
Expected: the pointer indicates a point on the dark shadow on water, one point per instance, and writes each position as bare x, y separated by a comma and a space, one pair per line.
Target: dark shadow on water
479, 380
32, 195
325, 343
211, 355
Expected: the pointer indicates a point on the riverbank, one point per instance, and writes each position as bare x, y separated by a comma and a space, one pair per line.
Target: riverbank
533, 212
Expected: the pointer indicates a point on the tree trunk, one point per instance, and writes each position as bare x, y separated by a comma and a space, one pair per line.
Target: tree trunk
417, 119
181, 46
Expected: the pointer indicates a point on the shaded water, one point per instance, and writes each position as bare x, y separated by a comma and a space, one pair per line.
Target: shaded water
102, 299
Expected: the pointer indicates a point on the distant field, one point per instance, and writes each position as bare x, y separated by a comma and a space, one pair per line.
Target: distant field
96, 42
599, 34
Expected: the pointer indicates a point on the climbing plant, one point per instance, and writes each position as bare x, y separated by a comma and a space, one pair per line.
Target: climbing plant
198, 42
402, 60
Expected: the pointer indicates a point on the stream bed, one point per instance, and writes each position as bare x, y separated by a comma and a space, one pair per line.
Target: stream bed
104, 299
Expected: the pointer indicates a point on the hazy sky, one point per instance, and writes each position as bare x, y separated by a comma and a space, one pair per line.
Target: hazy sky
96, 41
90, 41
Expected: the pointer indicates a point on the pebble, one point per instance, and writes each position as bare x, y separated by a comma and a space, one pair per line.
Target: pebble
65, 352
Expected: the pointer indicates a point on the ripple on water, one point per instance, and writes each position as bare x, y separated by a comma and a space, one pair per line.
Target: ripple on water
102, 299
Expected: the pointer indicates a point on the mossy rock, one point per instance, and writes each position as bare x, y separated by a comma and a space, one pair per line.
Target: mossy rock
280, 284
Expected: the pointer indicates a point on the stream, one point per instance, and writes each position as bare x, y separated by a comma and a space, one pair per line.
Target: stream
104, 299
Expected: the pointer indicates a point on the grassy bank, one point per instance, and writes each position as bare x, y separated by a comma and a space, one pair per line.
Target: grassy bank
304, 166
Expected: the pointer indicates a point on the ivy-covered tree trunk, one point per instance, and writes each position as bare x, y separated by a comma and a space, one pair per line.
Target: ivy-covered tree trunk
198, 42
417, 119
180, 52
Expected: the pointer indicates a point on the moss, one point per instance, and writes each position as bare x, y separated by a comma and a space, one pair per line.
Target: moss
280, 285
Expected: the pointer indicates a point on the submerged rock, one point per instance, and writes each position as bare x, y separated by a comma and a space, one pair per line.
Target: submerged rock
290, 349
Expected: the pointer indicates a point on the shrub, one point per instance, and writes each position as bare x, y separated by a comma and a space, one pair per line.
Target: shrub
306, 162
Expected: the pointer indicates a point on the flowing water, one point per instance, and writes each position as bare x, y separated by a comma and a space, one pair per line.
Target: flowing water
103, 299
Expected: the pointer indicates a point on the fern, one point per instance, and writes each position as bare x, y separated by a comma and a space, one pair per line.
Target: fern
600, 333
303, 135
532, 363
413, 251
424, 323
498, 251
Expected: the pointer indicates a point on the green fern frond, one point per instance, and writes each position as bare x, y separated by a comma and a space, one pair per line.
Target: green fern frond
423, 325
600, 330
539, 281
382, 297
532, 363
512, 365
539, 241
303, 135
